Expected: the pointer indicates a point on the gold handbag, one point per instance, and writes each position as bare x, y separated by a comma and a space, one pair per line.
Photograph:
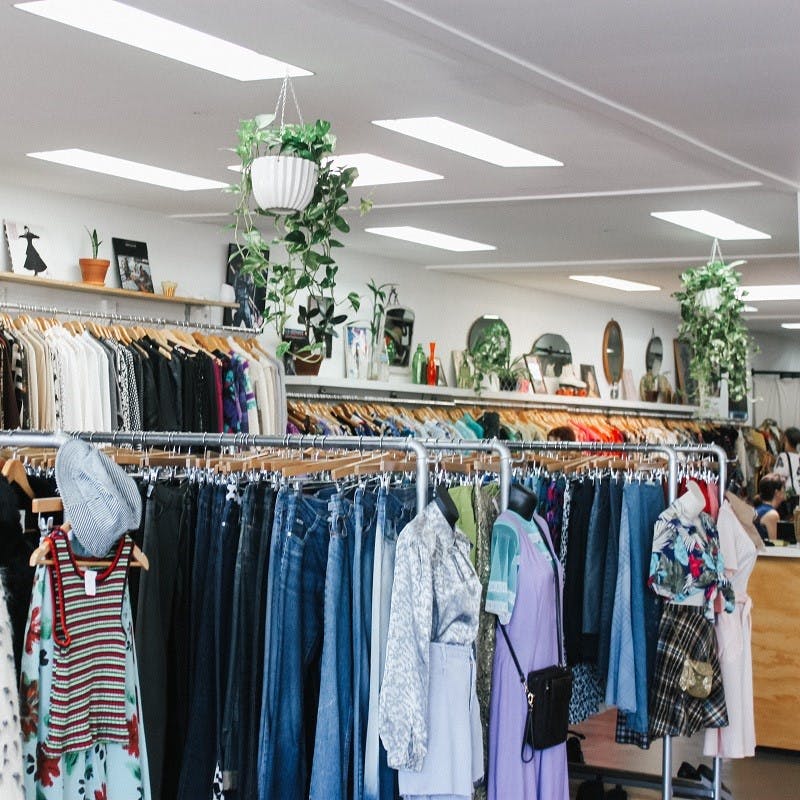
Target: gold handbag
696, 678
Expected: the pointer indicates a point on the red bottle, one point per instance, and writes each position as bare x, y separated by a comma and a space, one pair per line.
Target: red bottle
432, 366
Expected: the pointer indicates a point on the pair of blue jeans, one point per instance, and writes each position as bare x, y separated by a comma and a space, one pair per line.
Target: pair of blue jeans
295, 647
331, 775
395, 509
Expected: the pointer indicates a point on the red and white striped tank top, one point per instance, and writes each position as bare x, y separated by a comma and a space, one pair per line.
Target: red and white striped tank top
87, 698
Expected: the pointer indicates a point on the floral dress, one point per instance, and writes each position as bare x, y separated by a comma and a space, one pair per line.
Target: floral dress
103, 771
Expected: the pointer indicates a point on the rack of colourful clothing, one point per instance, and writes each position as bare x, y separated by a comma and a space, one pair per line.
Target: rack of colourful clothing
183, 505
87, 375
684, 788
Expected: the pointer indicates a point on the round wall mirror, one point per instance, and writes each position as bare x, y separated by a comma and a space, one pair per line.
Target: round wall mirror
654, 355
553, 352
613, 352
489, 340
398, 330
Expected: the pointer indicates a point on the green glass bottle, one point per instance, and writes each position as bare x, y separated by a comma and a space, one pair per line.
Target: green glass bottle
419, 364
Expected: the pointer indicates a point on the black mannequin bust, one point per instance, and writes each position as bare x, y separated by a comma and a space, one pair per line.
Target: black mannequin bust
522, 501
447, 506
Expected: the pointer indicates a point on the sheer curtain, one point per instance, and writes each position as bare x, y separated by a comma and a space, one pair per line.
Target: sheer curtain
776, 398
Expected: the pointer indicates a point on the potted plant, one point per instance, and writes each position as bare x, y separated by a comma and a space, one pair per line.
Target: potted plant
491, 356
298, 257
648, 387
93, 270
714, 327
379, 357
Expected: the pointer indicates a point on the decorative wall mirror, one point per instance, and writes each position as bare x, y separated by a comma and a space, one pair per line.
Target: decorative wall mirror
553, 352
398, 331
613, 352
490, 326
654, 355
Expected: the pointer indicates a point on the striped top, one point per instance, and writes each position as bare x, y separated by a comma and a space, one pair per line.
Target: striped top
87, 699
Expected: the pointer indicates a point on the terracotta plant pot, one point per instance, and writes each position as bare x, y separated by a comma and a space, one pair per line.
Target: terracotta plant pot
93, 270
307, 365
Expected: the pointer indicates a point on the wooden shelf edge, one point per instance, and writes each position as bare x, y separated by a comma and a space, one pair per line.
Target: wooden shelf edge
108, 291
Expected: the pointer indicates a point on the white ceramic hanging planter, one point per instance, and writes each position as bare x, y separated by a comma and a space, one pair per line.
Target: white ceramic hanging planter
710, 298
283, 184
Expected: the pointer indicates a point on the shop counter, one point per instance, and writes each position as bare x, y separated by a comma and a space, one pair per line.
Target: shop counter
775, 589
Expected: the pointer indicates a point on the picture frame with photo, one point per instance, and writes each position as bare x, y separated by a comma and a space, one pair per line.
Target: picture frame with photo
133, 265
685, 385
29, 247
535, 373
356, 350
589, 377
252, 299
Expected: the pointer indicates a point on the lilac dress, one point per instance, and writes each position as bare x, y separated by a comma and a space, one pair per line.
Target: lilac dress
533, 633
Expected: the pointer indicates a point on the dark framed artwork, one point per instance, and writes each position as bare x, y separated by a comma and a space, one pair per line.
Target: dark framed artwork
589, 377
133, 265
684, 383
534, 367
251, 299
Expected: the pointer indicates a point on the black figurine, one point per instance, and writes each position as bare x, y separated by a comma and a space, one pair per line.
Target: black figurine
33, 261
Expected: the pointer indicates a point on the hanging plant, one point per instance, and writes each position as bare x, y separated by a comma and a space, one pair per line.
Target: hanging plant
298, 256
712, 324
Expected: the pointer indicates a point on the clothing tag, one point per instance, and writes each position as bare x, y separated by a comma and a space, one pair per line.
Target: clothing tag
90, 582
22, 518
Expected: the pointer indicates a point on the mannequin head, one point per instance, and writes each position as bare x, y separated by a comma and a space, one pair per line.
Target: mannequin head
522, 501
446, 505
691, 502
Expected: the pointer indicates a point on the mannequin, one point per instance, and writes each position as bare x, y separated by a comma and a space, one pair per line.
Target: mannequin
690, 503
522, 501
446, 505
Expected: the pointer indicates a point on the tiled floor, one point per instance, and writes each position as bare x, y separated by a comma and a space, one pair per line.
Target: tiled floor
771, 775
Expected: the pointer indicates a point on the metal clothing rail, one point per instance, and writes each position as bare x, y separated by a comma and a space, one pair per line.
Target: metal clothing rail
112, 316
244, 440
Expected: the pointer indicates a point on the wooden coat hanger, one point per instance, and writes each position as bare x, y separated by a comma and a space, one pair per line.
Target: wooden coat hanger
14, 471
41, 553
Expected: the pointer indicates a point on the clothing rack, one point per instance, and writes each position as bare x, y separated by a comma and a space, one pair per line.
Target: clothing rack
671, 452
113, 316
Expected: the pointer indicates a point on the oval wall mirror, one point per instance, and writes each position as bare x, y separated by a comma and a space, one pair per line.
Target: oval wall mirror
553, 352
492, 333
654, 355
613, 352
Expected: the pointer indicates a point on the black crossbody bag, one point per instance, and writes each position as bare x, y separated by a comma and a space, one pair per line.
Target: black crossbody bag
547, 691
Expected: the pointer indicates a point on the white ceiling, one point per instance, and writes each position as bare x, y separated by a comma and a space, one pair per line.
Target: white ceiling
651, 106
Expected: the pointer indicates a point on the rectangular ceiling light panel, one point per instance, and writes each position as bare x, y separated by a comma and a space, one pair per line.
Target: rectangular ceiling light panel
132, 170
375, 170
791, 326
129, 25
616, 283
710, 224
777, 291
468, 141
443, 241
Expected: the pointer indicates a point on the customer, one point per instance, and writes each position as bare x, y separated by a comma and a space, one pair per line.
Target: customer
771, 493
788, 465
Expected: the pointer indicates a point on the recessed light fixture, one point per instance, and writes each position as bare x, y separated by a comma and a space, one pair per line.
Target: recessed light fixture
777, 291
137, 28
375, 170
710, 224
468, 141
791, 326
132, 170
615, 283
409, 233
749, 309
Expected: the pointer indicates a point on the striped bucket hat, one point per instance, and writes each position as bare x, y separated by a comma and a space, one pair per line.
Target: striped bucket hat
100, 500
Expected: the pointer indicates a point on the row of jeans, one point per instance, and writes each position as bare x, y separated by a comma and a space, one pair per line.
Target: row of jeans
255, 628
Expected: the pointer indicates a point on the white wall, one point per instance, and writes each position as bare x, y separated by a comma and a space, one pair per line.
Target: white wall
445, 305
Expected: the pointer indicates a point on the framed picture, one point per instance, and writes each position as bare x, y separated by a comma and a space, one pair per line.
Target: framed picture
589, 377
356, 350
534, 367
133, 265
28, 246
685, 385
252, 299
441, 375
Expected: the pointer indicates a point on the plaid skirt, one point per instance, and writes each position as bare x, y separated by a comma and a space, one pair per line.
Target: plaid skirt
684, 631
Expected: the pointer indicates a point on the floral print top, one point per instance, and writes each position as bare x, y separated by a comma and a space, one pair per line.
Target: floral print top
103, 771
686, 559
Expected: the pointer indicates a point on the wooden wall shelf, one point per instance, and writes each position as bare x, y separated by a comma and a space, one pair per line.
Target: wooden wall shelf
106, 291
